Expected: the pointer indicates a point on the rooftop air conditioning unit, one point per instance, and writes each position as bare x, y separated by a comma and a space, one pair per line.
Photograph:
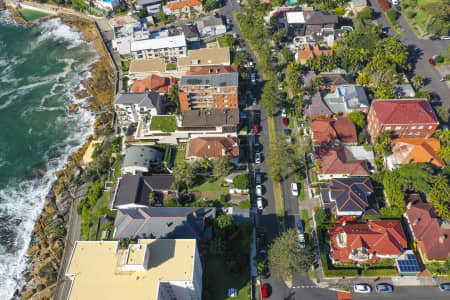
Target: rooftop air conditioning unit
195, 61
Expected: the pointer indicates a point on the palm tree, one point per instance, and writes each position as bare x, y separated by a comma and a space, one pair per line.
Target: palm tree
442, 209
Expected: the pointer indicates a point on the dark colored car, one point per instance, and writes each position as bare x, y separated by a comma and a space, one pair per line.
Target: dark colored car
432, 62
265, 291
384, 288
285, 121
300, 227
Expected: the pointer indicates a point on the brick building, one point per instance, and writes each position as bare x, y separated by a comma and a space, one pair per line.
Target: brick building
212, 91
404, 118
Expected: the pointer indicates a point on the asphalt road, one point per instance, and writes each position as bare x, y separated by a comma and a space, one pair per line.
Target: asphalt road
407, 293
420, 51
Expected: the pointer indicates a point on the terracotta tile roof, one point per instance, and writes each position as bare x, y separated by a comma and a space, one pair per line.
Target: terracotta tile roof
333, 79
154, 83
205, 70
180, 4
417, 150
336, 160
378, 237
327, 131
315, 106
433, 236
213, 147
310, 52
410, 111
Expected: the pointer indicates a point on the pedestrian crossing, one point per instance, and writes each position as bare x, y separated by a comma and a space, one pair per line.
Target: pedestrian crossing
306, 287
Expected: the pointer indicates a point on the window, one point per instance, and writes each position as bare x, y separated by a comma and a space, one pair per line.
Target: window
413, 127
388, 128
398, 127
429, 127
226, 105
420, 127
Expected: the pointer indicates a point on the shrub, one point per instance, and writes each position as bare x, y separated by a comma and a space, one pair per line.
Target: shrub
244, 204
380, 272
410, 13
241, 181
340, 11
365, 14
392, 15
439, 59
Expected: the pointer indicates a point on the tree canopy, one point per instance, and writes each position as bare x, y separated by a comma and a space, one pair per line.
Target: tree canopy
241, 181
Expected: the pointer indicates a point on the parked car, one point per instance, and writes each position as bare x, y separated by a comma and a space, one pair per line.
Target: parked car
287, 132
255, 128
254, 101
294, 189
300, 229
283, 113
363, 288
258, 178
444, 287
259, 190
257, 157
258, 146
432, 62
384, 288
301, 238
265, 291
259, 203
285, 121
445, 37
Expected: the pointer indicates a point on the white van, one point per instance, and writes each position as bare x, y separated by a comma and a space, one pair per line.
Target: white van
294, 189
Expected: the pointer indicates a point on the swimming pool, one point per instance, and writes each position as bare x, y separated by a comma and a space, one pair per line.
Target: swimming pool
292, 1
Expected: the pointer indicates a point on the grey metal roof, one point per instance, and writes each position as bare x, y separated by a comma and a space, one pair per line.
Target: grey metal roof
159, 182
142, 157
209, 21
214, 80
150, 99
315, 106
148, 2
182, 222
210, 117
350, 96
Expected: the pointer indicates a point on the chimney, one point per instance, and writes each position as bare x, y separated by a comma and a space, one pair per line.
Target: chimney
442, 238
416, 221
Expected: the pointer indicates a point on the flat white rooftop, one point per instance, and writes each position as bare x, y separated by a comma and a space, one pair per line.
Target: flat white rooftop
159, 43
295, 17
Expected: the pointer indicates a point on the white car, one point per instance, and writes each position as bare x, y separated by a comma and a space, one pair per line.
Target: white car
257, 157
294, 189
394, 2
259, 190
283, 113
445, 37
259, 203
362, 288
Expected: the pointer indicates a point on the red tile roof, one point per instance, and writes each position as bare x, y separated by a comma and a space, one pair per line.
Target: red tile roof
378, 237
154, 83
410, 111
336, 160
427, 229
309, 52
213, 147
417, 150
327, 131
180, 4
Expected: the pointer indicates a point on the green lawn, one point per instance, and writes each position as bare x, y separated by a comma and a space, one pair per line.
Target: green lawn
102, 203
219, 280
105, 225
163, 123
171, 66
31, 15
208, 186
425, 2
180, 154
305, 218
420, 18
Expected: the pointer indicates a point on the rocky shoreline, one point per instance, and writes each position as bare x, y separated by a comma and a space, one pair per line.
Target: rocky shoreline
48, 239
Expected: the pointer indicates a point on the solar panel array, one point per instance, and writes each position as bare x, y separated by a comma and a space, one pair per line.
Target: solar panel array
409, 265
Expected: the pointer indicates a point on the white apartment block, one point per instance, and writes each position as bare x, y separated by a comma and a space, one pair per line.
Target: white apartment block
169, 48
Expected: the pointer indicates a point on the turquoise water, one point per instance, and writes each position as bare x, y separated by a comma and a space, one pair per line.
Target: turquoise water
39, 69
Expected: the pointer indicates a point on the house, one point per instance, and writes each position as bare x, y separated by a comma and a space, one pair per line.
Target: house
337, 131
127, 29
191, 32
140, 69
308, 22
133, 191
226, 119
212, 147
358, 5
414, 150
431, 234
148, 269
315, 107
205, 70
154, 83
310, 52
204, 57
212, 91
141, 159
331, 80
151, 6
347, 98
404, 90
404, 118
185, 9
348, 196
170, 48
339, 161
211, 26
159, 222
366, 243
133, 107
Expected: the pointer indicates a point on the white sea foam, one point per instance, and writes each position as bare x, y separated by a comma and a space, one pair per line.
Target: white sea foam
55, 29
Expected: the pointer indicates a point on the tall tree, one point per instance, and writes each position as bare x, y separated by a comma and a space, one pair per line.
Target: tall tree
440, 195
286, 257
270, 99
280, 158
417, 81
357, 118
221, 166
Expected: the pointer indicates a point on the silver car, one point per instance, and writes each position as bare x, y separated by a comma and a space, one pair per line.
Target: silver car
444, 287
384, 288
259, 190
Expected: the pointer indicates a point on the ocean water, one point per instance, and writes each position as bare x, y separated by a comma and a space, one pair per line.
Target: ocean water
40, 67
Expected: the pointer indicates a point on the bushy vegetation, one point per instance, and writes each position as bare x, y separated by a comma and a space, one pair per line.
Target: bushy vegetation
241, 181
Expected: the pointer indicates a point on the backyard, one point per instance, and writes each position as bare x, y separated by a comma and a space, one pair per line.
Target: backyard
31, 14
211, 185
163, 123
179, 156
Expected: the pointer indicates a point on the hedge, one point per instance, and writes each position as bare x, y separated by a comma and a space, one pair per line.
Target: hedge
335, 272
379, 272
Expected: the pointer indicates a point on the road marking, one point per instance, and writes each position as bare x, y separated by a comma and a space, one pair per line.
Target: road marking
305, 287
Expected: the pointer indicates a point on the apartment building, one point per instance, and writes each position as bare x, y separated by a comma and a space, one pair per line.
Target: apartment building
204, 57
149, 269
404, 118
169, 48
212, 91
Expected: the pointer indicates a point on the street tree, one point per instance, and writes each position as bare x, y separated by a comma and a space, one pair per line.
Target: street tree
270, 99
241, 181
417, 81
221, 166
280, 158
286, 257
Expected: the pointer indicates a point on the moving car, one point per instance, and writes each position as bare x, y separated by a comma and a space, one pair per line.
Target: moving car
255, 128
444, 287
265, 291
294, 189
257, 157
259, 203
259, 190
432, 62
285, 121
363, 288
384, 288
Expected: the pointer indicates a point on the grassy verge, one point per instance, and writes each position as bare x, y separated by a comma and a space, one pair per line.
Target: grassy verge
31, 14
394, 26
305, 217
302, 191
277, 189
412, 23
